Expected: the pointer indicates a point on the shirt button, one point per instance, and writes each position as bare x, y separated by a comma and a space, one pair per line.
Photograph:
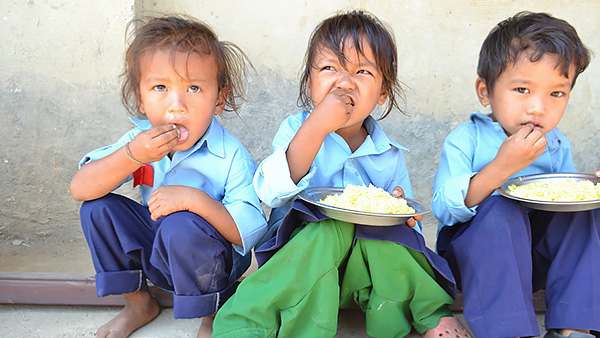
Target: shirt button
356, 174
171, 172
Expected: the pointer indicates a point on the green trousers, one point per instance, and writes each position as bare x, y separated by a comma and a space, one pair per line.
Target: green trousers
297, 292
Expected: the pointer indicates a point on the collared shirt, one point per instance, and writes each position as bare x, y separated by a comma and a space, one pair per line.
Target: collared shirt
379, 160
468, 149
217, 164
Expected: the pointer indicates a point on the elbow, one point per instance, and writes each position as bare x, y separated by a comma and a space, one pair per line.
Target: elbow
77, 193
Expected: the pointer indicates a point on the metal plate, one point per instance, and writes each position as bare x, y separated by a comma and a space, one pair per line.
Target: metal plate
314, 195
550, 205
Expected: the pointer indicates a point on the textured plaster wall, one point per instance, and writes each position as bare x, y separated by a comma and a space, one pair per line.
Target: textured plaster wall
59, 88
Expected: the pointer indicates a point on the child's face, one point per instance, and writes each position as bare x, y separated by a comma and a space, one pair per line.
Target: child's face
528, 92
185, 93
359, 77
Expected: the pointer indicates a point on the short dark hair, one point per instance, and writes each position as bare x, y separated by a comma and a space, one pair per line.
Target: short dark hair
180, 33
355, 26
535, 33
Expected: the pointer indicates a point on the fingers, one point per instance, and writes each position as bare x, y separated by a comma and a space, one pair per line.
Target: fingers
166, 135
344, 98
398, 192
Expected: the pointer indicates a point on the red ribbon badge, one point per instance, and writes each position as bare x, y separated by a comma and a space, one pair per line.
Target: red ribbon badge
144, 175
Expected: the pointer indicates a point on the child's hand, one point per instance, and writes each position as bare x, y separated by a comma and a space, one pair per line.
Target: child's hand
169, 199
154, 144
597, 173
334, 111
521, 149
399, 192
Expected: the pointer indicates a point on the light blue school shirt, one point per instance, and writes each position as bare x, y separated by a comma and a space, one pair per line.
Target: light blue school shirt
379, 160
469, 148
217, 164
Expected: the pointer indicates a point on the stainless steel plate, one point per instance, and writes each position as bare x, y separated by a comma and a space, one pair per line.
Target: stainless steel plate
549, 205
314, 195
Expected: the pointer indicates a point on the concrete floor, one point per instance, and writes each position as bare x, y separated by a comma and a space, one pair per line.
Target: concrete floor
42, 321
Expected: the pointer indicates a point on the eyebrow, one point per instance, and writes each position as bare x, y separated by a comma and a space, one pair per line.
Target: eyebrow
563, 84
364, 61
166, 79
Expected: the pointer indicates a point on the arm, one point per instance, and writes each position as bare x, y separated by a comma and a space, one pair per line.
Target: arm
98, 178
328, 116
516, 153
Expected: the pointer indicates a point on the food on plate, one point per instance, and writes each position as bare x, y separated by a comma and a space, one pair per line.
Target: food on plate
557, 190
368, 199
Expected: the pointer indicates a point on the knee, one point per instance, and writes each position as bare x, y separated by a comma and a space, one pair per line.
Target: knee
91, 212
185, 227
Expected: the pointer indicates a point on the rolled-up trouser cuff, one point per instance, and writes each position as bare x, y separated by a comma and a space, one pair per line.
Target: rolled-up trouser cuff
119, 282
195, 306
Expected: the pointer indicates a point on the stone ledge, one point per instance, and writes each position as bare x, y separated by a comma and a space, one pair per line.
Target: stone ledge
78, 289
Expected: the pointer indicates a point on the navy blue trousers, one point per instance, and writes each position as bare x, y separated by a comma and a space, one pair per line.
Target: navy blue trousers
503, 254
179, 252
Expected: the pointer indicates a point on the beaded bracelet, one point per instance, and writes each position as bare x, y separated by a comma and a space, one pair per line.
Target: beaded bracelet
128, 151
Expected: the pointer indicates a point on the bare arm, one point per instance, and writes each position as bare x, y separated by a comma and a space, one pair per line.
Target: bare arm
172, 198
98, 178
516, 153
328, 116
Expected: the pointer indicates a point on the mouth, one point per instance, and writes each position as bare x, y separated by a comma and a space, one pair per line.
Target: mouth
535, 124
183, 133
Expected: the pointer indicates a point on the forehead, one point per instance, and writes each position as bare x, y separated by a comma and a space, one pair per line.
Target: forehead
182, 62
346, 51
548, 65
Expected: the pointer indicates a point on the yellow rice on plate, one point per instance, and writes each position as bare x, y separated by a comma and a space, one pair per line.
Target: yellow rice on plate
368, 199
557, 190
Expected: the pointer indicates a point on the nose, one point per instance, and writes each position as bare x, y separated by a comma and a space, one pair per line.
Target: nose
536, 107
177, 104
345, 82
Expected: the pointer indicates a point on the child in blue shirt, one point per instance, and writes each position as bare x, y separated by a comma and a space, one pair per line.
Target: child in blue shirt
325, 264
200, 216
499, 251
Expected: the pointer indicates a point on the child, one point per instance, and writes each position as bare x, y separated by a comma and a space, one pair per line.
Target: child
199, 217
350, 68
499, 251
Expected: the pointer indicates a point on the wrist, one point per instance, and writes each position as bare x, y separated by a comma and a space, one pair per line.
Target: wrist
131, 157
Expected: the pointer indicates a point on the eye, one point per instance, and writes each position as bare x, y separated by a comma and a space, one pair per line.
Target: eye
327, 68
557, 94
522, 90
194, 89
364, 71
159, 88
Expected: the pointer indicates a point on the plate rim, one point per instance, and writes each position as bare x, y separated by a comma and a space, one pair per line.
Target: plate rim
305, 192
550, 205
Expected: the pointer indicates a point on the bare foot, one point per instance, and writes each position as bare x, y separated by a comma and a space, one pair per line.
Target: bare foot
206, 328
140, 309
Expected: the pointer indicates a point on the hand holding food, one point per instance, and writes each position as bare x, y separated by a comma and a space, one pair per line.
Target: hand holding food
154, 144
334, 110
520, 149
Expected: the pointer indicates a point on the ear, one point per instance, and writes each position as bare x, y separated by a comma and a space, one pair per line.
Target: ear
382, 97
141, 108
482, 91
221, 100
308, 91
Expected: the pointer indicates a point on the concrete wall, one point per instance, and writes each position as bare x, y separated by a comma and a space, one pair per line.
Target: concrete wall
59, 89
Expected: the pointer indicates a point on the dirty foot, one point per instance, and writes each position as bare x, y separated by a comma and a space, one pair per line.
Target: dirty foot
206, 328
448, 327
140, 309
